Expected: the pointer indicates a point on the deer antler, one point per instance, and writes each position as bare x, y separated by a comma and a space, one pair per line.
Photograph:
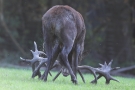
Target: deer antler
36, 58
105, 71
36, 50
91, 69
36, 55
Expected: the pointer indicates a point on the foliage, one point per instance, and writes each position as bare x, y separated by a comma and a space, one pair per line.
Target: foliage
10, 57
109, 25
19, 79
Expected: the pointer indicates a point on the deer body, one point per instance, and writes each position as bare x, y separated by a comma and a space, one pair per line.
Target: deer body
63, 32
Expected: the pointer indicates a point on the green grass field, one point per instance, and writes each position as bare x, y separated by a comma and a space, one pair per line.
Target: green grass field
20, 79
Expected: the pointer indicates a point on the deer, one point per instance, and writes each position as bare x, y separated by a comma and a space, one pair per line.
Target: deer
63, 33
38, 61
104, 70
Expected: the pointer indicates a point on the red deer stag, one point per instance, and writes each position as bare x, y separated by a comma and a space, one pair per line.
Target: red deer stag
63, 32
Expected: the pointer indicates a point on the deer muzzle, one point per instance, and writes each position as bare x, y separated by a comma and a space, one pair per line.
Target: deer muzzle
65, 72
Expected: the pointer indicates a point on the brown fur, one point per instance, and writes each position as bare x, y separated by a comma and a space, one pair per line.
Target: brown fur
64, 34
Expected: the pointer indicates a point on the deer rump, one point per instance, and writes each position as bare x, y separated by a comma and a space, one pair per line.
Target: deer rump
64, 34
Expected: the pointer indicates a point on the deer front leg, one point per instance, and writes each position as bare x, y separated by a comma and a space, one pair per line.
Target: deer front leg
49, 71
51, 60
64, 57
57, 75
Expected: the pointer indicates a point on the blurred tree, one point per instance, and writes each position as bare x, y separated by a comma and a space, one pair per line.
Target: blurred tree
109, 24
7, 29
118, 41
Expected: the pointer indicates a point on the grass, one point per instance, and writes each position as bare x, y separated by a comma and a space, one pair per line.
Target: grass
20, 79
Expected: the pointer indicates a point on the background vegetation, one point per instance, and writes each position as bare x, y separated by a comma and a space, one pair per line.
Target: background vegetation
110, 28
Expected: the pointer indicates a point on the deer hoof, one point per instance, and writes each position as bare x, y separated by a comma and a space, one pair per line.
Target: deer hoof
42, 77
45, 79
34, 74
74, 81
94, 82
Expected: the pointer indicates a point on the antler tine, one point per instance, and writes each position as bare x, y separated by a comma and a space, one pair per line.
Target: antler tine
32, 51
22, 58
114, 79
81, 75
97, 79
110, 63
105, 64
91, 69
42, 62
35, 44
101, 64
115, 68
105, 72
26, 60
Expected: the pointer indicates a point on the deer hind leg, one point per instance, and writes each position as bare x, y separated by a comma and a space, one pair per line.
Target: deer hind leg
75, 59
51, 60
66, 49
57, 74
79, 47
